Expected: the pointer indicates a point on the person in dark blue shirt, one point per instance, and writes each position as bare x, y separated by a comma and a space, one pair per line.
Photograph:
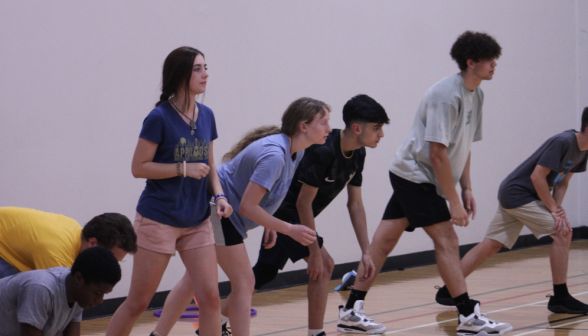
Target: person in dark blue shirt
175, 155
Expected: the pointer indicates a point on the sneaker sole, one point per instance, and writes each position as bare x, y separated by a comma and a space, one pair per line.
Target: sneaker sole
483, 333
565, 310
348, 330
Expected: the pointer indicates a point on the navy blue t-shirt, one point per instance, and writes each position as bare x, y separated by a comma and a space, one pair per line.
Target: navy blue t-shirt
177, 201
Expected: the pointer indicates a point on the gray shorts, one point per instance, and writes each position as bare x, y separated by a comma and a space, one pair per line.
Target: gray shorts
507, 224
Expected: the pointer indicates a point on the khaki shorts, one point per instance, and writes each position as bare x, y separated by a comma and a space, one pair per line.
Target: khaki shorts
166, 239
508, 223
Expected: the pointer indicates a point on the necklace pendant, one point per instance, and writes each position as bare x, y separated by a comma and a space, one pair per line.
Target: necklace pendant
192, 132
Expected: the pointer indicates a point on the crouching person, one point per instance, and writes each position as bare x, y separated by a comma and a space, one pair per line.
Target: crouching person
50, 302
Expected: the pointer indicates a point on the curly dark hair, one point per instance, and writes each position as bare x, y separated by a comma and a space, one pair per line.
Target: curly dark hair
363, 108
97, 265
475, 46
110, 230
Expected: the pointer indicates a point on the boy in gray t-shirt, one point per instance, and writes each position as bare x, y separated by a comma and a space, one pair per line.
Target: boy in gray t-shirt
433, 158
531, 196
50, 302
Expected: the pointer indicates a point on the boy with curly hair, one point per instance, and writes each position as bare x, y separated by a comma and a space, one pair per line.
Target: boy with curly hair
433, 158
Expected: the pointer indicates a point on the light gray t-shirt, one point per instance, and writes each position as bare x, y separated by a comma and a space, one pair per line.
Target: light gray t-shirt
449, 114
560, 153
37, 298
267, 162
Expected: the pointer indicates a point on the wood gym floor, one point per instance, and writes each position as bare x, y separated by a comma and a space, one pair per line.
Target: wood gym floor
512, 287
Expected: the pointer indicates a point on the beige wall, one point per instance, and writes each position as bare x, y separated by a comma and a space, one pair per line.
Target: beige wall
77, 79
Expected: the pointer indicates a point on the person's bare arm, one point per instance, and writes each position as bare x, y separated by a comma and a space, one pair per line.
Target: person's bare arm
442, 169
306, 215
539, 179
467, 195
144, 167
223, 208
72, 329
359, 222
29, 330
251, 209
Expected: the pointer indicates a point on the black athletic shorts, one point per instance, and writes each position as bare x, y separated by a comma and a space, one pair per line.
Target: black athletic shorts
285, 248
418, 202
228, 235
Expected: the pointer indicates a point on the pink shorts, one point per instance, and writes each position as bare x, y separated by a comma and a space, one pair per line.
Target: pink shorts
166, 239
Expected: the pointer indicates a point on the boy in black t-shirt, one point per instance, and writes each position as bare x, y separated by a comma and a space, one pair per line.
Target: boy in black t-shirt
323, 172
531, 196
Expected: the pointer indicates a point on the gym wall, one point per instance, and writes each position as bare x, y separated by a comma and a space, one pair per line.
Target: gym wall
78, 78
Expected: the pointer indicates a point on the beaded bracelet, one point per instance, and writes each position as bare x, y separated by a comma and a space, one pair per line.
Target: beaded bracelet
178, 169
216, 198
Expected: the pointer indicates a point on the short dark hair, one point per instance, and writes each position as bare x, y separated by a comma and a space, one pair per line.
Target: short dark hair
110, 230
584, 120
97, 265
363, 108
475, 46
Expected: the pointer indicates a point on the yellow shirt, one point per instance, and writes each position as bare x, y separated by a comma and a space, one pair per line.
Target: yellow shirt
32, 239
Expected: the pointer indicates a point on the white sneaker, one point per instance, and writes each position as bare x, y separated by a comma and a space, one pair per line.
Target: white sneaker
355, 321
479, 324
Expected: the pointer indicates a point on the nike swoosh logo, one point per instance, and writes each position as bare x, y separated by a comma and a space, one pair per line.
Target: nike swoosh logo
327, 179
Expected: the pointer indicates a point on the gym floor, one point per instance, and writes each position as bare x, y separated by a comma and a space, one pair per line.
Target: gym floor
512, 287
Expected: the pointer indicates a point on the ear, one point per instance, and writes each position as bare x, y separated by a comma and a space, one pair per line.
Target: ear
78, 279
303, 127
92, 242
356, 128
470, 63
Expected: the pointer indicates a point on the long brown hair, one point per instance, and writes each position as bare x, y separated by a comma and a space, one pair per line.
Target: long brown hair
302, 110
176, 74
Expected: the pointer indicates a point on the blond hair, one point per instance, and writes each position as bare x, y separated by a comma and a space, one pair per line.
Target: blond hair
302, 110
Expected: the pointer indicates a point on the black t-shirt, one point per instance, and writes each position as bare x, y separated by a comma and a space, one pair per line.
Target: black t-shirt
326, 168
559, 153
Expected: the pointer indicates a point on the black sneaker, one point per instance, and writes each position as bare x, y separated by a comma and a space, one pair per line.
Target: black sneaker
566, 305
443, 297
225, 331
322, 333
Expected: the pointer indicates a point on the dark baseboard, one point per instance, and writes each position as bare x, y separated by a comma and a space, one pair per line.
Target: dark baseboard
299, 277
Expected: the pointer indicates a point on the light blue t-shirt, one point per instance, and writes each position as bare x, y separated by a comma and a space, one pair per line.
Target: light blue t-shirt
267, 162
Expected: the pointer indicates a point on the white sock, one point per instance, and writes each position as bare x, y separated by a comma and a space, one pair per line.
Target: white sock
224, 319
315, 332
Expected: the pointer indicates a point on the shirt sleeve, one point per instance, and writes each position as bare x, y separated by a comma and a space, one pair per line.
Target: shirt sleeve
35, 305
268, 168
440, 123
358, 177
313, 166
552, 154
152, 128
78, 315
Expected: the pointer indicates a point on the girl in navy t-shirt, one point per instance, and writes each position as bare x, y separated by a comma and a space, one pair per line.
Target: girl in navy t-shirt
175, 155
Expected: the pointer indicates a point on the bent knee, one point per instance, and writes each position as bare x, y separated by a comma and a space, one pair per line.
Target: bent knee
209, 300
244, 283
137, 306
329, 265
264, 273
